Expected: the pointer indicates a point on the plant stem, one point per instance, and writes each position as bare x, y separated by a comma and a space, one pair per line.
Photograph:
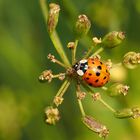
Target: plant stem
74, 52
106, 105
58, 46
58, 75
89, 52
101, 100
61, 64
54, 37
63, 88
98, 51
81, 107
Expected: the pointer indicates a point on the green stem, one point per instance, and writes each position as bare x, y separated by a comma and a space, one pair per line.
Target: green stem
54, 37
81, 108
98, 51
63, 88
74, 52
59, 48
101, 100
105, 104
58, 75
89, 52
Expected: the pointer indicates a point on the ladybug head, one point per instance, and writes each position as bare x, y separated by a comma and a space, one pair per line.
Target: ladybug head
81, 67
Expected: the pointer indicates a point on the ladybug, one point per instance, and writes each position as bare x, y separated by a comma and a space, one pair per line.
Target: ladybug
92, 71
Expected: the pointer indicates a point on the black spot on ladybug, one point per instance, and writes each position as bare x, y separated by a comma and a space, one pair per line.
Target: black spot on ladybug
99, 67
87, 78
90, 84
101, 63
96, 80
106, 71
97, 73
93, 63
105, 77
89, 74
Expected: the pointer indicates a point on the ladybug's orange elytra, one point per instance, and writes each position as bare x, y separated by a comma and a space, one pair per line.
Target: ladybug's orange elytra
93, 72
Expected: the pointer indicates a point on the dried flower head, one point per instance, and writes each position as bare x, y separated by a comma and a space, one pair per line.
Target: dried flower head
131, 60
117, 89
96, 40
113, 39
58, 100
95, 126
128, 112
82, 26
53, 17
52, 115
46, 76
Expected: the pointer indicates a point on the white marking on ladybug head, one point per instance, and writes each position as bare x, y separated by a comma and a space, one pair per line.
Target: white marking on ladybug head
83, 61
80, 72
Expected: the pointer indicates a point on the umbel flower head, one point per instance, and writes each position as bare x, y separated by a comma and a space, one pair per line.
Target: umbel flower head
88, 73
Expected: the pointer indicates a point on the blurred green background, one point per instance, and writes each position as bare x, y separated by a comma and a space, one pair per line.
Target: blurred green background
24, 45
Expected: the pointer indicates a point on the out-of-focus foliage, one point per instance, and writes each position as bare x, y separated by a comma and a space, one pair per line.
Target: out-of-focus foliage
24, 45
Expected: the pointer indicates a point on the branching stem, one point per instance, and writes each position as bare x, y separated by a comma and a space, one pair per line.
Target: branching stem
63, 88
98, 51
54, 37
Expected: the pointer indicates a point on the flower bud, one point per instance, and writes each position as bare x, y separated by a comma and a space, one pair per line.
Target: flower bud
52, 115
96, 96
95, 126
82, 26
46, 76
58, 100
96, 40
71, 45
127, 113
131, 60
113, 39
117, 89
53, 17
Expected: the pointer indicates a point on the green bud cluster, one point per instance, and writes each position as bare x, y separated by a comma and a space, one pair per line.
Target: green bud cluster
113, 39
82, 26
53, 17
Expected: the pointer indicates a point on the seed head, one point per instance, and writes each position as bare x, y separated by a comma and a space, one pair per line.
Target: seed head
52, 115
95, 126
96, 96
128, 112
96, 40
131, 60
81, 95
71, 45
113, 39
58, 100
53, 16
82, 26
117, 89
51, 57
109, 64
46, 76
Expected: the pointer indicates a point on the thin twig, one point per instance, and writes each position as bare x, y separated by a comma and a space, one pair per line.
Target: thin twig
101, 100
98, 51
74, 52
